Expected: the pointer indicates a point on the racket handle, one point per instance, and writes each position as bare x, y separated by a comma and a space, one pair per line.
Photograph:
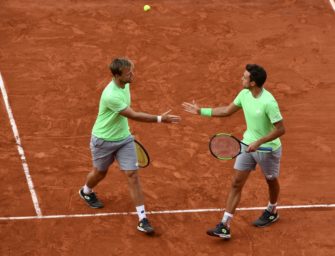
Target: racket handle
265, 149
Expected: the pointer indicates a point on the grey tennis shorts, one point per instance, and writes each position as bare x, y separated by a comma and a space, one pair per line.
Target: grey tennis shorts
268, 161
105, 152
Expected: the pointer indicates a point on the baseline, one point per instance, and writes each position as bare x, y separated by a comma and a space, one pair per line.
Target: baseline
163, 212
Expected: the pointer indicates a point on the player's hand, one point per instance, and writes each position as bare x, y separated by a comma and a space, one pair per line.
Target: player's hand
166, 118
253, 147
192, 108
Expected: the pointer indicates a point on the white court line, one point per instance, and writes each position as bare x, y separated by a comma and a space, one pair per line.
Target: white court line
332, 2
163, 212
20, 148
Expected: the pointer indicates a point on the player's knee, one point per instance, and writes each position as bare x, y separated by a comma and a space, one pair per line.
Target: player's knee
272, 180
132, 176
237, 184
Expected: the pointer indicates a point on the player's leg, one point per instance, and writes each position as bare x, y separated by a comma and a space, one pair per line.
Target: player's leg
135, 187
243, 166
235, 192
270, 165
126, 156
93, 178
103, 157
274, 190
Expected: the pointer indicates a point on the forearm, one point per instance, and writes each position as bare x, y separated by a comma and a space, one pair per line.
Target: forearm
143, 117
223, 111
220, 111
274, 134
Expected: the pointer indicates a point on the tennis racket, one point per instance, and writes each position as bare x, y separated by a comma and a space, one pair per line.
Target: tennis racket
226, 147
143, 159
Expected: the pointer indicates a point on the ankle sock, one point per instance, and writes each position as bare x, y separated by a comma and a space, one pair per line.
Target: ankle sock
226, 219
140, 212
272, 207
87, 190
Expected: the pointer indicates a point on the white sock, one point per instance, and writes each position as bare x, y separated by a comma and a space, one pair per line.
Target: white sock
272, 207
140, 212
87, 190
226, 219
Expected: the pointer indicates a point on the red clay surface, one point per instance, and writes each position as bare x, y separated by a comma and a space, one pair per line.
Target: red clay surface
54, 57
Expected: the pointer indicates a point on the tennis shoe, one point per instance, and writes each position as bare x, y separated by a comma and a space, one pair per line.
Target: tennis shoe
144, 226
266, 219
221, 230
91, 199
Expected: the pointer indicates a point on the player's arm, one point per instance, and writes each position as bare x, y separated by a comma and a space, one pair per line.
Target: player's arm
225, 110
145, 117
278, 130
217, 112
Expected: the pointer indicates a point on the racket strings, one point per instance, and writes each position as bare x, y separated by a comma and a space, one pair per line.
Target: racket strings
225, 147
142, 157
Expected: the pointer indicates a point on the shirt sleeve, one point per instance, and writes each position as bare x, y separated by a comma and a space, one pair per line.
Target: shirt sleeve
238, 99
116, 104
273, 112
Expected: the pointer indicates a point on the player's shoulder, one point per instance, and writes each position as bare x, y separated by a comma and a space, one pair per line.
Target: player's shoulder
268, 95
243, 92
268, 98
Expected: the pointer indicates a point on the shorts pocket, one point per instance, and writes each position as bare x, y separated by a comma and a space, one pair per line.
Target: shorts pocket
96, 142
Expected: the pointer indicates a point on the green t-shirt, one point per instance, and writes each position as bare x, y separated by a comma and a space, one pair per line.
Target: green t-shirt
110, 125
260, 115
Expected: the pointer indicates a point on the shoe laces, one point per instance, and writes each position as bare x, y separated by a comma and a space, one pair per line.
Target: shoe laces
221, 226
145, 221
93, 197
266, 215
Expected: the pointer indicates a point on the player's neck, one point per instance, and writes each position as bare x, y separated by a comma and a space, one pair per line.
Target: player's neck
256, 91
119, 83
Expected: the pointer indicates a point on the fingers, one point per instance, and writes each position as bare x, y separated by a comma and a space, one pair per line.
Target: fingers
167, 112
174, 119
189, 107
186, 104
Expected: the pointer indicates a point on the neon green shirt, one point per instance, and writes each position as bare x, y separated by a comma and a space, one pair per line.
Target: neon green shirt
260, 115
110, 125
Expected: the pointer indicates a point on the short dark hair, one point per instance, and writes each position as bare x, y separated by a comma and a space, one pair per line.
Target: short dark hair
257, 74
118, 64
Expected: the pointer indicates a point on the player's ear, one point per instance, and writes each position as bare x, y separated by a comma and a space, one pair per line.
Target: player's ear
253, 83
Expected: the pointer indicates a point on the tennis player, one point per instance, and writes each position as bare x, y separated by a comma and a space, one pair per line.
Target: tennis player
264, 127
111, 139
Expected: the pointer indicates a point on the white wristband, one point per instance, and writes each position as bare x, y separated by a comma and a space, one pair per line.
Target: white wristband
159, 119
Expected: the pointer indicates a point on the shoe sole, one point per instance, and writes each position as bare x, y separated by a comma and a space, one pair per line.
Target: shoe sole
226, 237
267, 224
94, 207
145, 231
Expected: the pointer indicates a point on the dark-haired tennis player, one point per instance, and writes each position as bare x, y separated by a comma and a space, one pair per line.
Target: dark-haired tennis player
264, 127
111, 139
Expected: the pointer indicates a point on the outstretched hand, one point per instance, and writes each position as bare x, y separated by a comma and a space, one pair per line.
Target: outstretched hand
166, 118
191, 107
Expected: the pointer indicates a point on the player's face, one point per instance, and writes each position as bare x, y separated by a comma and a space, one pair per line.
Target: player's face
246, 80
127, 75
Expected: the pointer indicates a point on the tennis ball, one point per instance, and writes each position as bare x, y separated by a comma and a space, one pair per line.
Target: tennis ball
146, 7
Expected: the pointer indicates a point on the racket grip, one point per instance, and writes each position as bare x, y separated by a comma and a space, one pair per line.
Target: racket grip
265, 149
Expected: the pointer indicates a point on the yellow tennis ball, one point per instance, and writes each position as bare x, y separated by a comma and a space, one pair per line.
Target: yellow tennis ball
146, 7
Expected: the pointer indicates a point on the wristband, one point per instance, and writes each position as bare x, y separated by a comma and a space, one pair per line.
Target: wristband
206, 111
159, 119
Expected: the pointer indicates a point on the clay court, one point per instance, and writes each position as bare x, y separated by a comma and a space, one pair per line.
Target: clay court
54, 58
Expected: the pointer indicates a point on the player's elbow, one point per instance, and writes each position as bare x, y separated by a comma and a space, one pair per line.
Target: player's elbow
282, 131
